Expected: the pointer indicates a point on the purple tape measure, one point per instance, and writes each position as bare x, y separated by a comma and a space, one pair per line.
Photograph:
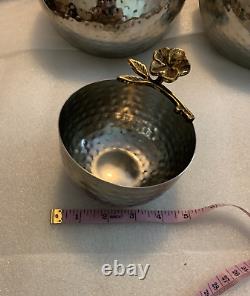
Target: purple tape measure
217, 286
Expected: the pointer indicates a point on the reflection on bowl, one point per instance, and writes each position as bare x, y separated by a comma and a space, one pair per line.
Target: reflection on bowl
227, 24
112, 28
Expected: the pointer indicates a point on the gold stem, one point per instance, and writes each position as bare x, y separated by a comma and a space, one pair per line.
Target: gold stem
157, 84
180, 108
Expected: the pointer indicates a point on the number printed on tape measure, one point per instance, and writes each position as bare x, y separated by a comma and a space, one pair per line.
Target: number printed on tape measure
226, 279
218, 285
89, 216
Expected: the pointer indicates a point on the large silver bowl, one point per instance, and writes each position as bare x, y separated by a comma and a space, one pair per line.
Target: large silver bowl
112, 28
227, 23
124, 143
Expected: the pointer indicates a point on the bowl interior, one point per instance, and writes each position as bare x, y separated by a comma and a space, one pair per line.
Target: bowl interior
128, 135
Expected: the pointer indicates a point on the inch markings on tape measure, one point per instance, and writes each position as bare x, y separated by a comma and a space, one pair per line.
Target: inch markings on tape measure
217, 286
97, 216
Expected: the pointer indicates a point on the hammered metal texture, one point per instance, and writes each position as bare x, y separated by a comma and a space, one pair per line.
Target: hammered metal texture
112, 28
127, 141
227, 23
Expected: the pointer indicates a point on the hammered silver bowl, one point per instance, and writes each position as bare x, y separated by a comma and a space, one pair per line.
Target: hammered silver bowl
112, 28
227, 24
124, 143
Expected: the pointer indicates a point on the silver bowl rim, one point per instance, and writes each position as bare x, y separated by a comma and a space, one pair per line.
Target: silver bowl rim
109, 183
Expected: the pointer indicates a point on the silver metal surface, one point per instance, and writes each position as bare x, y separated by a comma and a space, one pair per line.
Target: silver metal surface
124, 143
112, 28
227, 23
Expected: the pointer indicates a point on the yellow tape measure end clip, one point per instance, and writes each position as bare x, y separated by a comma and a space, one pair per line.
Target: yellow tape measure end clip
56, 216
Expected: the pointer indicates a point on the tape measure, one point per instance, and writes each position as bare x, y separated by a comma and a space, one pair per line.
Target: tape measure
216, 286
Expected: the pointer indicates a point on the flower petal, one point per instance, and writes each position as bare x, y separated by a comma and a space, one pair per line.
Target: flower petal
161, 55
170, 75
176, 55
156, 68
183, 67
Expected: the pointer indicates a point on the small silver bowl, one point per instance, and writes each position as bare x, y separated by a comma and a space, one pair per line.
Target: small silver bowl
126, 141
227, 24
112, 28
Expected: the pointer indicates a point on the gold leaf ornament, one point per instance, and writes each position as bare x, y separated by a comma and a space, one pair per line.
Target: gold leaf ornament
139, 68
130, 79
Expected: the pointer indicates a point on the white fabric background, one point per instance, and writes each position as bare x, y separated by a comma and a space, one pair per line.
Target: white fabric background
38, 71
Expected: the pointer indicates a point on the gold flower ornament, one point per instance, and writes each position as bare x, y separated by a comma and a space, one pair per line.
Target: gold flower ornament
168, 65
